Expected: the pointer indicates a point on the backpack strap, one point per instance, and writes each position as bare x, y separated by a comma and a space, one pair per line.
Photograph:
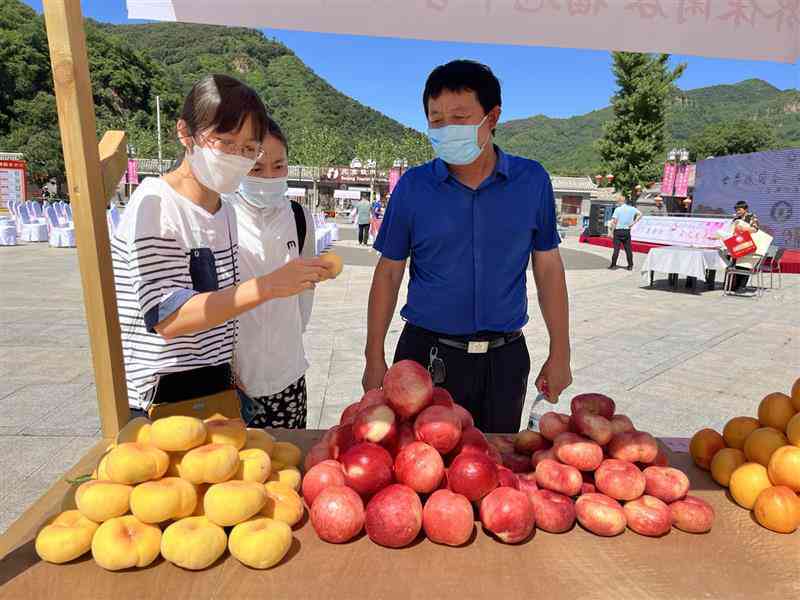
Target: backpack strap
300, 223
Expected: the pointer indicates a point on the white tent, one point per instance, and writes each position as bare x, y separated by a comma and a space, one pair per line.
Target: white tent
750, 29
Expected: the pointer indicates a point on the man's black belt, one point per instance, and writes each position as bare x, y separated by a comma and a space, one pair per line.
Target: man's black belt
477, 344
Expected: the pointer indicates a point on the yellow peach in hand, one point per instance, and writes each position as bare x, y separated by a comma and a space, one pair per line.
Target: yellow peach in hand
737, 429
65, 537
333, 262
100, 501
193, 543
125, 542
260, 543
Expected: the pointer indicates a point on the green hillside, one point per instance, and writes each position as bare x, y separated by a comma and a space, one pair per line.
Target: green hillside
566, 146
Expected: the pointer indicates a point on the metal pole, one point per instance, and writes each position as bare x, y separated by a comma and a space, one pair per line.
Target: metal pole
158, 126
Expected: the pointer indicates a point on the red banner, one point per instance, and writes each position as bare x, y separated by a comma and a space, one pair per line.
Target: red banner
682, 180
13, 181
668, 180
133, 172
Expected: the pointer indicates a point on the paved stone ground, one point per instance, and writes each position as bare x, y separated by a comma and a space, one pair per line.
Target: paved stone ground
674, 361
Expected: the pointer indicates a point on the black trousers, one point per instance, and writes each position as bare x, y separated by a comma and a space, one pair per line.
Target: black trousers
622, 237
363, 234
492, 386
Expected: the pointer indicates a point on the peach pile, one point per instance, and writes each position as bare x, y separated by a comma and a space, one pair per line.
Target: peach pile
170, 486
758, 459
593, 466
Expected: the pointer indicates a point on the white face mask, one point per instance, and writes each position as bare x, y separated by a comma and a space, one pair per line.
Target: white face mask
221, 173
265, 193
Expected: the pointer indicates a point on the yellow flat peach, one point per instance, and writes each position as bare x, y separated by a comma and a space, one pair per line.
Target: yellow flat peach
65, 537
221, 430
291, 476
254, 465
283, 503
212, 463
286, 454
133, 462
162, 500
260, 543
100, 501
125, 542
233, 502
193, 543
178, 433
258, 438
135, 430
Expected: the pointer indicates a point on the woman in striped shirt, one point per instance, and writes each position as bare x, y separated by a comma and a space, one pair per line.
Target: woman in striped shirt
175, 254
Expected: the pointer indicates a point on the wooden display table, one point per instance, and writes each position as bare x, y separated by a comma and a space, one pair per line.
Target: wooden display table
737, 559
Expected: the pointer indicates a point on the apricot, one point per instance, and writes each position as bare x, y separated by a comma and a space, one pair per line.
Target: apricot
65, 537
759, 445
704, 445
193, 543
747, 482
796, 394
778, 508
793, 430
784, 467
725, 462
125, 542
775, 411
737, 429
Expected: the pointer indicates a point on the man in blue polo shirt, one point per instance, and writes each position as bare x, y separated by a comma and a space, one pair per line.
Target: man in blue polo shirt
470, 221
624, 218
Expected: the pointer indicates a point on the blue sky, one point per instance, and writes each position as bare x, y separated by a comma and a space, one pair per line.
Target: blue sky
389, 74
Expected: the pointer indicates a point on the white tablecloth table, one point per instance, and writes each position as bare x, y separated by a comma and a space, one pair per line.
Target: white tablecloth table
680, 261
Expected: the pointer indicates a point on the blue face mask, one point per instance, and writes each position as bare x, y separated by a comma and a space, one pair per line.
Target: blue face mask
457, 144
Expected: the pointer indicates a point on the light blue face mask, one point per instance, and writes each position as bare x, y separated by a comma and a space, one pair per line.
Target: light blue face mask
457, 144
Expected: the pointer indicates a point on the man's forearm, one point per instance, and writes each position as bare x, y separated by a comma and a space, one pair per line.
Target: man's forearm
382, 302
551, 288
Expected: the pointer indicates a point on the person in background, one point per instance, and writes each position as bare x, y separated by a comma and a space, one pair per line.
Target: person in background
687, 205
471, 221
363, 216
635, 195
623, 219
658, 210
176, 260
270, 359
743, 218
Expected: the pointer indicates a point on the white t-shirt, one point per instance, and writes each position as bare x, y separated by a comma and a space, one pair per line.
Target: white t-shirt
158, 237
269, 353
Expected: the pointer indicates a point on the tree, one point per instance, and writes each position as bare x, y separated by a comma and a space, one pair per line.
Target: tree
316, 147
415, 148
633, 141
34, 131
739, 137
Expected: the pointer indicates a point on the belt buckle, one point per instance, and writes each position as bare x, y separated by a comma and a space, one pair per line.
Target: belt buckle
477, 347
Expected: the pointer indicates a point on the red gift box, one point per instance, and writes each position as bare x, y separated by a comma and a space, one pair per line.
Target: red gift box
740, 244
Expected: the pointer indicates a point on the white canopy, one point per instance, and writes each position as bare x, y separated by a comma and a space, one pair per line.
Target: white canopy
750, 29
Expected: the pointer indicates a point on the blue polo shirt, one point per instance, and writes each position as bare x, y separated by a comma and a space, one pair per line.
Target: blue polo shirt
469, 249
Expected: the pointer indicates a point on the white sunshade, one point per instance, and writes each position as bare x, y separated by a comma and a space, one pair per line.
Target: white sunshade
748, 29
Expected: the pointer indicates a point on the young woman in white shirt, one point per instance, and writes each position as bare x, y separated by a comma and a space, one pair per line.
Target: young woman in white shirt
273, 231
175, 254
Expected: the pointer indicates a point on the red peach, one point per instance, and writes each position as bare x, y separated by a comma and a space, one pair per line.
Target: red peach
541, 455
665, 483
661, 459
464, 415
621, 424
600, 514
648, 516
367, 468
420, 467
394, 516
340, 438
448, 518
371, 398
317, 453
494, 455
438, 426
441, 397
692, 514
554, 476
633, 446
507, 478
349, 413
572, 449
323, 475
403, 437
337, 514
408, 387
526, 482
527, 442
508, 514
551, 424
598, 404
519, 463
374, 424
472, 474
588, 486
619, 479
472, 438
554, 512
595, 427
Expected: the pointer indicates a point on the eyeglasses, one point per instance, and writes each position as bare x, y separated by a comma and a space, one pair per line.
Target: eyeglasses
250, 150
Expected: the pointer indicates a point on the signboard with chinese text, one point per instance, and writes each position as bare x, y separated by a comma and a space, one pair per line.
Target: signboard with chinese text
695, 232
13, 181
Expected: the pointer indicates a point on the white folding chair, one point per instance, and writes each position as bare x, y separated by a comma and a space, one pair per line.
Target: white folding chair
32, 230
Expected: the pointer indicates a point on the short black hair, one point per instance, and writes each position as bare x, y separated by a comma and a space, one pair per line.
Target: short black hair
741, 204
274, 130
460, 76
221, 103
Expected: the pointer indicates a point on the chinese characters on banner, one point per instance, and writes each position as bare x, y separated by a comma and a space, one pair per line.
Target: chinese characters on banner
684, 174
695, 232
768, 181
668, 180
13, 181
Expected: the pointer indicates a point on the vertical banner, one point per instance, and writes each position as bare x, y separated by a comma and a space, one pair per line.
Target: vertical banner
682, 181
13, 181
133, 172
668, 180
394, 177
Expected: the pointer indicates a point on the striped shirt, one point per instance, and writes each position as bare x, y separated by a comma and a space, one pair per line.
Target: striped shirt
159, 251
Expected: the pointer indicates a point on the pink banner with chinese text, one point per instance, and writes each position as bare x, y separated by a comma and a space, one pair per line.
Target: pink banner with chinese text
668, 180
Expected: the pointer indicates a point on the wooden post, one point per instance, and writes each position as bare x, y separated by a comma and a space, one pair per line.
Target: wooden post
76, 119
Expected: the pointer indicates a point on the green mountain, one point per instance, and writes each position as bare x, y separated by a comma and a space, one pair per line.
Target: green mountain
131, 64
566, 146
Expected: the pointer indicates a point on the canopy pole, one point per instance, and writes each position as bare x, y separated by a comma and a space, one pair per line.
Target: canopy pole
76, 118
